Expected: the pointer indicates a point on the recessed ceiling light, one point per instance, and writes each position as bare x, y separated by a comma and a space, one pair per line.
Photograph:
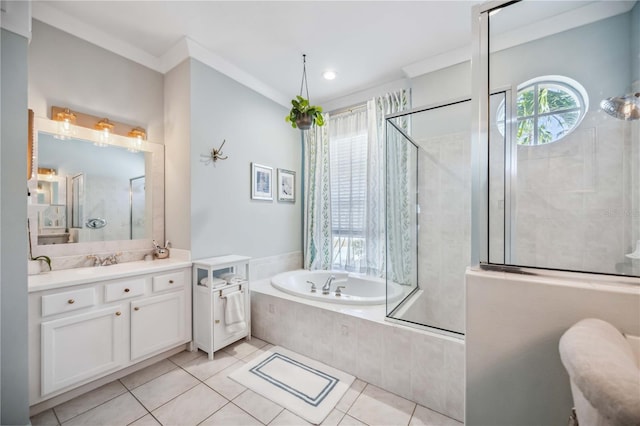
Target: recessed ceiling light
329, 75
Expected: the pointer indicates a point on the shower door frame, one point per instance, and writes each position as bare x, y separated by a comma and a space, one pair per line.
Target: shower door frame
388, 317
480, 86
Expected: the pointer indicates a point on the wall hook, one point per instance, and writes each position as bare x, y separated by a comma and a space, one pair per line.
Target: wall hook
214, 155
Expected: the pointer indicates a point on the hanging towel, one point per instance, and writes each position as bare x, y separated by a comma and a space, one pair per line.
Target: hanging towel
234, 312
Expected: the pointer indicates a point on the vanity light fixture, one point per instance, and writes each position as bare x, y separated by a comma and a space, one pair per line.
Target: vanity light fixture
137, 135
105, 127
66, 119
46, 172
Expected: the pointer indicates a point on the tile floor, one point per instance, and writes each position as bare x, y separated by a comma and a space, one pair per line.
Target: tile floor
188, 389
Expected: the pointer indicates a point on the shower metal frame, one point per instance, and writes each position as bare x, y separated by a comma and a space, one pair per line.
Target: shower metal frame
388, 118
480, 49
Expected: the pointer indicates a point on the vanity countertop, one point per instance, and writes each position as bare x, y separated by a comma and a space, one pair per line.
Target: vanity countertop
69, 277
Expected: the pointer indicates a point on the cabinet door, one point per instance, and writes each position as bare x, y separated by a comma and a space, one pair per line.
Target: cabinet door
157, 323
79, 347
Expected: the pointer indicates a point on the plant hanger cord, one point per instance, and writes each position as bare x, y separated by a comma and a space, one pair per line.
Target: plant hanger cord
304, 76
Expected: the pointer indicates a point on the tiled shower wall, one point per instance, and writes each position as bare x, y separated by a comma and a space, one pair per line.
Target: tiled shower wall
573, 204
423, 367
444, 236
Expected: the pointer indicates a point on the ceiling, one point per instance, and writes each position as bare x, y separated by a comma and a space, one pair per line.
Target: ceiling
260, 43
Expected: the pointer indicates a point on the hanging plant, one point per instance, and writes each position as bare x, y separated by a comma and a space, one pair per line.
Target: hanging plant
303, 115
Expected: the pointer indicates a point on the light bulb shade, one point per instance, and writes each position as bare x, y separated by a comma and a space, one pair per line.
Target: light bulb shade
105, 128
138, 133
104, 125
66, 119
625, 107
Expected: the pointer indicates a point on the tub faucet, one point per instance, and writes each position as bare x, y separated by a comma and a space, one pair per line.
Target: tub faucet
326, 288
313, 286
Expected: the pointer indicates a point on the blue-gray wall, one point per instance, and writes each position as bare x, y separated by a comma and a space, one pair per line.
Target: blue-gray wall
13, 246
224, 218
635, 42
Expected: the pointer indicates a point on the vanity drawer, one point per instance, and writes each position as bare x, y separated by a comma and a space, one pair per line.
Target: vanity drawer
168, 281
67, 301
124, 289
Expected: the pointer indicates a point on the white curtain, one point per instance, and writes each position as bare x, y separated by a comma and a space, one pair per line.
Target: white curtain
345, 205
348, 159
391, 217
317, 210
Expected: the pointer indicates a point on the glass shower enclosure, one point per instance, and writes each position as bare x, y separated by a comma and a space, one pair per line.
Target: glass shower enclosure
428, 214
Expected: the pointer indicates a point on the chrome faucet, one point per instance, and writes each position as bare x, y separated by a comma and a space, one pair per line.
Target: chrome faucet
313, 286
111, 259
326, 288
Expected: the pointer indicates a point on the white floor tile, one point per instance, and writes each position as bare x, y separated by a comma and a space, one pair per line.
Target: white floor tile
424, 417
191, 407
164, 388
347, 420
119, 411
46, 418
147, 374
253, 355
242, 348
185, 356
287, 418
258, 406
375, 406
147, 420
351, 395
89, 400
333, 419
203, 368
230, 415
224, 385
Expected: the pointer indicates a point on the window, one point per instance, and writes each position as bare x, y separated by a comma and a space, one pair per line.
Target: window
548, 109
348, 171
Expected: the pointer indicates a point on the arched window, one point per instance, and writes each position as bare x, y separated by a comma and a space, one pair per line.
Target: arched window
548, 109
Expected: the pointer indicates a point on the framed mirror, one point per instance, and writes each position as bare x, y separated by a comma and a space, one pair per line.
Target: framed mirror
91, 195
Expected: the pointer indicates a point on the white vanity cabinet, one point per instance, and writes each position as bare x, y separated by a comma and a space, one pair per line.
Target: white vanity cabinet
82, 346
157, 322
85, 331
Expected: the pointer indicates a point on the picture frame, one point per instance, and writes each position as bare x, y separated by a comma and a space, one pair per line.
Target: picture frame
286, 186
261, 182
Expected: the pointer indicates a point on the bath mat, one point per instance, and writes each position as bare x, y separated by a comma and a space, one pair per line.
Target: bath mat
303, 386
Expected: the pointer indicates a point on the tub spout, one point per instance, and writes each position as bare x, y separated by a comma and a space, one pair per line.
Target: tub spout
326, 288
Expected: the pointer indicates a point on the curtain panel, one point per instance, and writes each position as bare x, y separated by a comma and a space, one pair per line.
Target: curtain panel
317, 196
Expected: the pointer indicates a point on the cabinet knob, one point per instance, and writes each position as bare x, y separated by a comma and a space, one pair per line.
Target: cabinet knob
118, 313
217, 321
126, 290
170, 281
137, 308
71, 301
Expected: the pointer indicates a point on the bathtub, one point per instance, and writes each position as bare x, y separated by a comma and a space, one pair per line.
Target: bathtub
359, 289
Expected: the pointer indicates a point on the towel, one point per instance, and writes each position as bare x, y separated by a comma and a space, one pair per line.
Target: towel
234, 312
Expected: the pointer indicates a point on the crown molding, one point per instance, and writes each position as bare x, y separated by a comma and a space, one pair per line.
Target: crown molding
51, 16
185, 48
197, 51
15, 16
565, 21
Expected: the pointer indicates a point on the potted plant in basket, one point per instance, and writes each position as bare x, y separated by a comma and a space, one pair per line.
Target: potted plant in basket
303, 115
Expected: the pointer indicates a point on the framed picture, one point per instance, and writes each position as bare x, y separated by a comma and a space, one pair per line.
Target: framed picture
261, 182
286, 185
